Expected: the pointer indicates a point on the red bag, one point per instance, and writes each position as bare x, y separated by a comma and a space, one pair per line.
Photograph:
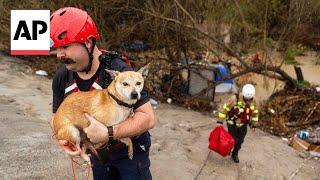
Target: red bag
221, 141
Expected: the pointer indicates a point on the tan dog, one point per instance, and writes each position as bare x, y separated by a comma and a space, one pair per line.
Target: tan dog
106, 105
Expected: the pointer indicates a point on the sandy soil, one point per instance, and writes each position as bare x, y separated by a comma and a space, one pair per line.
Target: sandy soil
179, 140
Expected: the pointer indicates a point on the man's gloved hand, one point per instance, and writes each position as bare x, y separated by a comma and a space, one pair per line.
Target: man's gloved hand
219, 123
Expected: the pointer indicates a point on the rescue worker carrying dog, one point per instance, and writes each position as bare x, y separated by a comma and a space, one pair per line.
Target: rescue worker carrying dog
73, 33
239, 112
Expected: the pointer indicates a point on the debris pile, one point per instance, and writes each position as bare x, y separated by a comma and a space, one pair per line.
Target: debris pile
287, 112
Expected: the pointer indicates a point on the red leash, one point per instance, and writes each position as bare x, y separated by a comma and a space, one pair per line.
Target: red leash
73, 169
88, 173
72, 166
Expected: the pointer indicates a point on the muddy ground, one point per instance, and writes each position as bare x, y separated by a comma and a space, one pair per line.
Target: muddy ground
179, 148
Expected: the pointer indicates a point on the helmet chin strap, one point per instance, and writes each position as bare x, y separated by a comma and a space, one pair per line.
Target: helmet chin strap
247, 100
90, 53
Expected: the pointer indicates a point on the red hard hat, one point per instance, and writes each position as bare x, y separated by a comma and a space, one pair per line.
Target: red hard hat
69, 25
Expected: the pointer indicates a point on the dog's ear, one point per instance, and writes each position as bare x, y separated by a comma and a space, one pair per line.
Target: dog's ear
144, 70
112, 73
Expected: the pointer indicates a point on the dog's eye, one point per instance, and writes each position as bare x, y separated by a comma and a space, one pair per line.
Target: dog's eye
125, 84
138, 83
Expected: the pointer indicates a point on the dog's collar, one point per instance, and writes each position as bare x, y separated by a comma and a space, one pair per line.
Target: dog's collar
121, 103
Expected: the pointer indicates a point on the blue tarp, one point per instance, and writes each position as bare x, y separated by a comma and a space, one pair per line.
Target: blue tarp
223, 72
136, 46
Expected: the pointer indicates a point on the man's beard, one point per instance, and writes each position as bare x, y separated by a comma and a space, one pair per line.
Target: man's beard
84, 69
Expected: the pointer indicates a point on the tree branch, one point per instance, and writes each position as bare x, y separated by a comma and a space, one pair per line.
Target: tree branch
229, 50
186, 12
247, 28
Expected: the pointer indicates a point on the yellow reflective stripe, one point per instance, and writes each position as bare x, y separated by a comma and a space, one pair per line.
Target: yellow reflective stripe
225, 106
230, 122
252, 107
254, 118
221, 115
256, 111
239, 125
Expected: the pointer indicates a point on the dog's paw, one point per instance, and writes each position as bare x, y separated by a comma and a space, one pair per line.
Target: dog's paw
130, 151
130, 154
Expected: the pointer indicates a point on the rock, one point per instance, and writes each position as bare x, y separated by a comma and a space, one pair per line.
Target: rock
303, 155
156, 147
244, 168
185, 126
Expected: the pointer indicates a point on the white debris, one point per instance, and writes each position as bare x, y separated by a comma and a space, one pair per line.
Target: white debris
272, 111
314, 153
214, 112
169, 100
153, 102
41, 73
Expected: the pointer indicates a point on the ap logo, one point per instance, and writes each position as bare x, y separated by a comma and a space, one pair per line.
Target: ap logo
30, 32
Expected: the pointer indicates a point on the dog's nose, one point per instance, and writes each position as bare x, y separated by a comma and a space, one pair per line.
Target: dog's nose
134, 95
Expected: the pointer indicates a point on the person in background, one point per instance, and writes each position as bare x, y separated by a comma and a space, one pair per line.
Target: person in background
239, 112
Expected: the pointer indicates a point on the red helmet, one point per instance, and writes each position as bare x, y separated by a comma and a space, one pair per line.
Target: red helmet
69, 25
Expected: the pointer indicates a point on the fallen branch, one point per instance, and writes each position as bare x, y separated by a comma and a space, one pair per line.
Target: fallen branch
311, 112
299, 168
203, 165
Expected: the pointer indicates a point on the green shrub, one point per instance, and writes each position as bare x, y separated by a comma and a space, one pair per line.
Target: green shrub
303, 83
292, 52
